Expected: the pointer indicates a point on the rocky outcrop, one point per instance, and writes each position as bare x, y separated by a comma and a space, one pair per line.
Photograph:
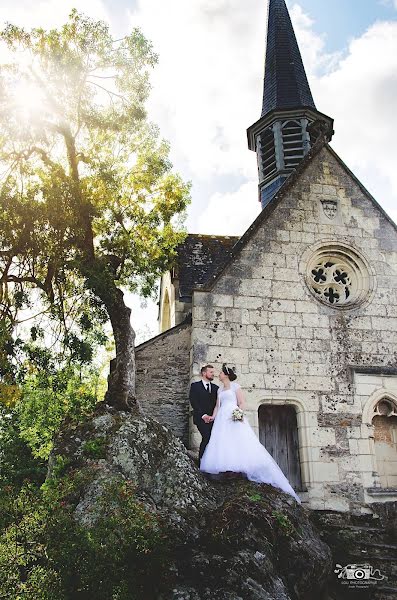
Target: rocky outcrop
228, 540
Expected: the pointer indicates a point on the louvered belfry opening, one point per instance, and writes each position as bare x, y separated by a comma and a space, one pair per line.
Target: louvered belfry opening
278, 432
267, 154
290, 122
293, 149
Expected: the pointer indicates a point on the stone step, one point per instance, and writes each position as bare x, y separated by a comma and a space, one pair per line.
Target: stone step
363, 528
385, 593
376, 550
360, 539
364, 518
354, 534
385, 546
368, 555
336, 519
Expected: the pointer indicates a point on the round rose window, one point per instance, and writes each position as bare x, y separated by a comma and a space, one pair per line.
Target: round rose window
338, 276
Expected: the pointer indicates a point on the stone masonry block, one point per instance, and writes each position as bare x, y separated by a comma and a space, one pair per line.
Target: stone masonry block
255, 287
222, 300
248, 302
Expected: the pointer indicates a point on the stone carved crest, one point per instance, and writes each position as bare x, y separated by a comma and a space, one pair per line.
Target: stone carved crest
330, 208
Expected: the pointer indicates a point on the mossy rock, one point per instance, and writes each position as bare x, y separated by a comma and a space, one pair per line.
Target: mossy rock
225, 539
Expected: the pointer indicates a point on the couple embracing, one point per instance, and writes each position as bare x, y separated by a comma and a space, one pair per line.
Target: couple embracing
228, 442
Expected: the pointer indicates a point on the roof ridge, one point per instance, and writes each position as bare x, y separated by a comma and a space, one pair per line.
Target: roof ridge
288, 183
211, 235
263, 215
185, 323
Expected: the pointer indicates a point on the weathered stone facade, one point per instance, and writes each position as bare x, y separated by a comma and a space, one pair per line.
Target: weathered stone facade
331, 362
163, 366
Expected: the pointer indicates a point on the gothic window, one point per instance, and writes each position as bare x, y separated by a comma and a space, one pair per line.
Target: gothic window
338, 276
385, 440
292, 143
166, 313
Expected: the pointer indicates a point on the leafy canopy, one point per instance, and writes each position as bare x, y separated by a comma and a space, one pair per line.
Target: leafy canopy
86, 184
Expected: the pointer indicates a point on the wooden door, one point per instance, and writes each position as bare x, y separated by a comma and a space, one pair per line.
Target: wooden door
278, 432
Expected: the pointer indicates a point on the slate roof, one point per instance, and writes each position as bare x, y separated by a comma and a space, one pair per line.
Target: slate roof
200, 257
285, 85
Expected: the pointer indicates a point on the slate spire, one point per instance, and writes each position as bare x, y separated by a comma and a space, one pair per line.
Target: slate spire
286, 84
290, 123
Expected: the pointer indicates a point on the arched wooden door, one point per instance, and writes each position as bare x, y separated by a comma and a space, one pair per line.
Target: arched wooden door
278, 432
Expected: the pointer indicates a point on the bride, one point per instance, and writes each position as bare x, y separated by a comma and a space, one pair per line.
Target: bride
233, 445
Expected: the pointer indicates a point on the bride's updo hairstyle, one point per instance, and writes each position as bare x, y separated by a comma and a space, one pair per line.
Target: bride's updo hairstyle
229, 371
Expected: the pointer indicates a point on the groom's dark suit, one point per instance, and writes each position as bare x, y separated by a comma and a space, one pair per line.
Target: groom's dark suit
203, 403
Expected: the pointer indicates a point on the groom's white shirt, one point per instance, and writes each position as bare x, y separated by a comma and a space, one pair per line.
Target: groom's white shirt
205, 383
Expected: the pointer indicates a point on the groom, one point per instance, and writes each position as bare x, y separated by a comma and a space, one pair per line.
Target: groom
203, 395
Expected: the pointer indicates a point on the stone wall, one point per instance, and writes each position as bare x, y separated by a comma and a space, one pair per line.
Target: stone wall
288, 347
163, 378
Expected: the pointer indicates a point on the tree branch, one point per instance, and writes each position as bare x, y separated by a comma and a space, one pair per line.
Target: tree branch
107, 91
26, 279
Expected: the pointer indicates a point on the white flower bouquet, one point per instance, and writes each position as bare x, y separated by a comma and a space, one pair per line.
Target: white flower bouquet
237, 414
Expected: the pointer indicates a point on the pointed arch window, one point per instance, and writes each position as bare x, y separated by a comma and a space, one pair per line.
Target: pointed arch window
166, 313
384, 421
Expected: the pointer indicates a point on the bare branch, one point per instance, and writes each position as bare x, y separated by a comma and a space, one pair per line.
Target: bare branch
103, 76
43, 312
107, 91
26, 279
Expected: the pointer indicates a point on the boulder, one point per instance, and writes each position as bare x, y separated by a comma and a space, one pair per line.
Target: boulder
228, 539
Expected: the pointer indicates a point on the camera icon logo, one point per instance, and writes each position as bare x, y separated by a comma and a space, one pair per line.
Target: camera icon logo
362, 572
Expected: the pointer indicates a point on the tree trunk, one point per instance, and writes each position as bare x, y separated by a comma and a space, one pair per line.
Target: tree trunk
121, 380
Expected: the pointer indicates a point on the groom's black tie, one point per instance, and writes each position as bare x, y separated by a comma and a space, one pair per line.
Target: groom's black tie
208, 387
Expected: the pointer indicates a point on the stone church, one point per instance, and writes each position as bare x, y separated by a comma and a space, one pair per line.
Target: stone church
304, 305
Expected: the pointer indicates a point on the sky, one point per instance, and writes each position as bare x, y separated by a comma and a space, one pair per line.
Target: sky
207, 89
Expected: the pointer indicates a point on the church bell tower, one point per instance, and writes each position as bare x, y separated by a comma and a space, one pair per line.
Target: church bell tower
290, 123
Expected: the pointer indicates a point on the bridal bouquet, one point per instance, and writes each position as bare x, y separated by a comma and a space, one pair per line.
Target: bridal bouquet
237, 414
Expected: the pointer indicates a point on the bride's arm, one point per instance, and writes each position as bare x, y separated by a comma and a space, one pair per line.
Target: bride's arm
240, 398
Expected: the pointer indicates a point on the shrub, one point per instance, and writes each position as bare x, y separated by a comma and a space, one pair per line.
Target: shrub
46, 554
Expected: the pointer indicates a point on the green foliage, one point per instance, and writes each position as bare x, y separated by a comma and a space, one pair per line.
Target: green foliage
88, 202
89, 199
60, 466
48, 400
277, 519
255, 497
95, 448
17, 464
46, 554
284, 523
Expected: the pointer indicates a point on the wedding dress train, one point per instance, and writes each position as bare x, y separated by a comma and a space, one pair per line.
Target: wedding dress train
233, 446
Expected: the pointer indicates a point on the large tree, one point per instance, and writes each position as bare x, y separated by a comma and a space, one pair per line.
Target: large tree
87, 195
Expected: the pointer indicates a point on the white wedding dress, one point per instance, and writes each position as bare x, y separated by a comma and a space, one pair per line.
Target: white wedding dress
233, 446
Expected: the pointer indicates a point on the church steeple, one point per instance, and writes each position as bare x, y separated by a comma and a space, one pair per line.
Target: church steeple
290, 123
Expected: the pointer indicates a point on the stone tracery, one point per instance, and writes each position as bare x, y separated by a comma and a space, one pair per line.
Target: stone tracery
338, 276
